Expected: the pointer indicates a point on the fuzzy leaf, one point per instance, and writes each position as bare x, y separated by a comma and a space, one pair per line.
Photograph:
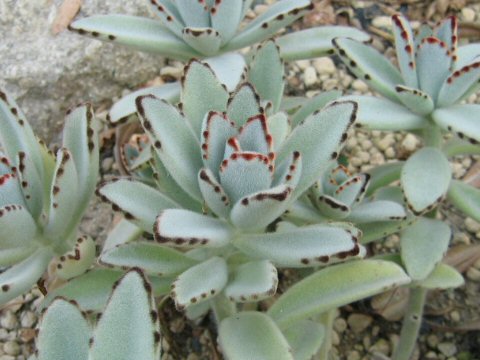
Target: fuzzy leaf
279, 127
16, 135
64, 333
352, 190
376, 230
332, 208
243, 104
22, 276
125, 107
457, 84
433, 65
226, 18
205, 40
216, 130
80, 137
254, 135
213, 193
318, 139
417, 101
90, 290
425, 179
137, 32
266, 72
467, 54
127, 329
465, 197
169, 15
306, 246
10, 191
265, 340
443, 276
32, 186
379, 210
305, 338
228, 68
423, 245
17, 227
372, 110
256, 211
178, 227
139, 202
252, 281
245, 173
78, 260
315, 103
173, 140
200, 282
405, 49
369, 65
194, 13
290, 171
63, 201
384, 175
335, 286
277, 16
149, 257
315, 42
202, 93
460, 119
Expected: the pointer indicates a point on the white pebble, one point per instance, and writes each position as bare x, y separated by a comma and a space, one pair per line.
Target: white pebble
359, 322
390, 153
303, 64
472, 225
382, 22
447, 348
468, 14
8, 320
310, 76
11, 348
324, 65
28, 319
473, 274
360, 85
410, 142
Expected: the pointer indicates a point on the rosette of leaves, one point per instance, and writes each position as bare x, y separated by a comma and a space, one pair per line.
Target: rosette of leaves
424, 96
232, 167
199, 29
128, 328
43, 197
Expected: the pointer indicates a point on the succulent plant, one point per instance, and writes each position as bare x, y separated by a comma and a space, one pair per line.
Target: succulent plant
232, 167
423, 97
185, 30
43, 198
127, 329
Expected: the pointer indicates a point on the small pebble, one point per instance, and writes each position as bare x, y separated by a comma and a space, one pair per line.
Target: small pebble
172, 71
447, 348
11, 348
310, 76
8, 320
472, 225
303, 64
431, 355
359, 85
468, 14
359, 322
340, 325
107, 164
382, 346
410, 142
28, 319
390, 153
473, 274
7, 357
335, 338
382, 22
353, 355
324, 65
455, 316
432, 341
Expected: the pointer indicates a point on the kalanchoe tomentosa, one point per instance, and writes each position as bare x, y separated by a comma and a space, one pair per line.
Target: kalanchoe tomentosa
425, 97
197, 29
236, 155
43, 197
127, 329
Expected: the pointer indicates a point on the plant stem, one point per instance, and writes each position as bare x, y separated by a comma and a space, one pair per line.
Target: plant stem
432, 136
411, 324
222, 308
327, 320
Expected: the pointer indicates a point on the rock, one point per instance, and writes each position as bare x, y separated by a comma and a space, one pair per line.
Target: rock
360, 86
7, 357
472, 225
11, 348
8, 320
390, 153
410, 143
28, 319
473, 274
468, 14
353, 355
335, 338
107, 164
382, 346
455, 316
447, 348
48, 74
303, 64
310, 76
324, 65
359, 322
382, 22
340, 325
